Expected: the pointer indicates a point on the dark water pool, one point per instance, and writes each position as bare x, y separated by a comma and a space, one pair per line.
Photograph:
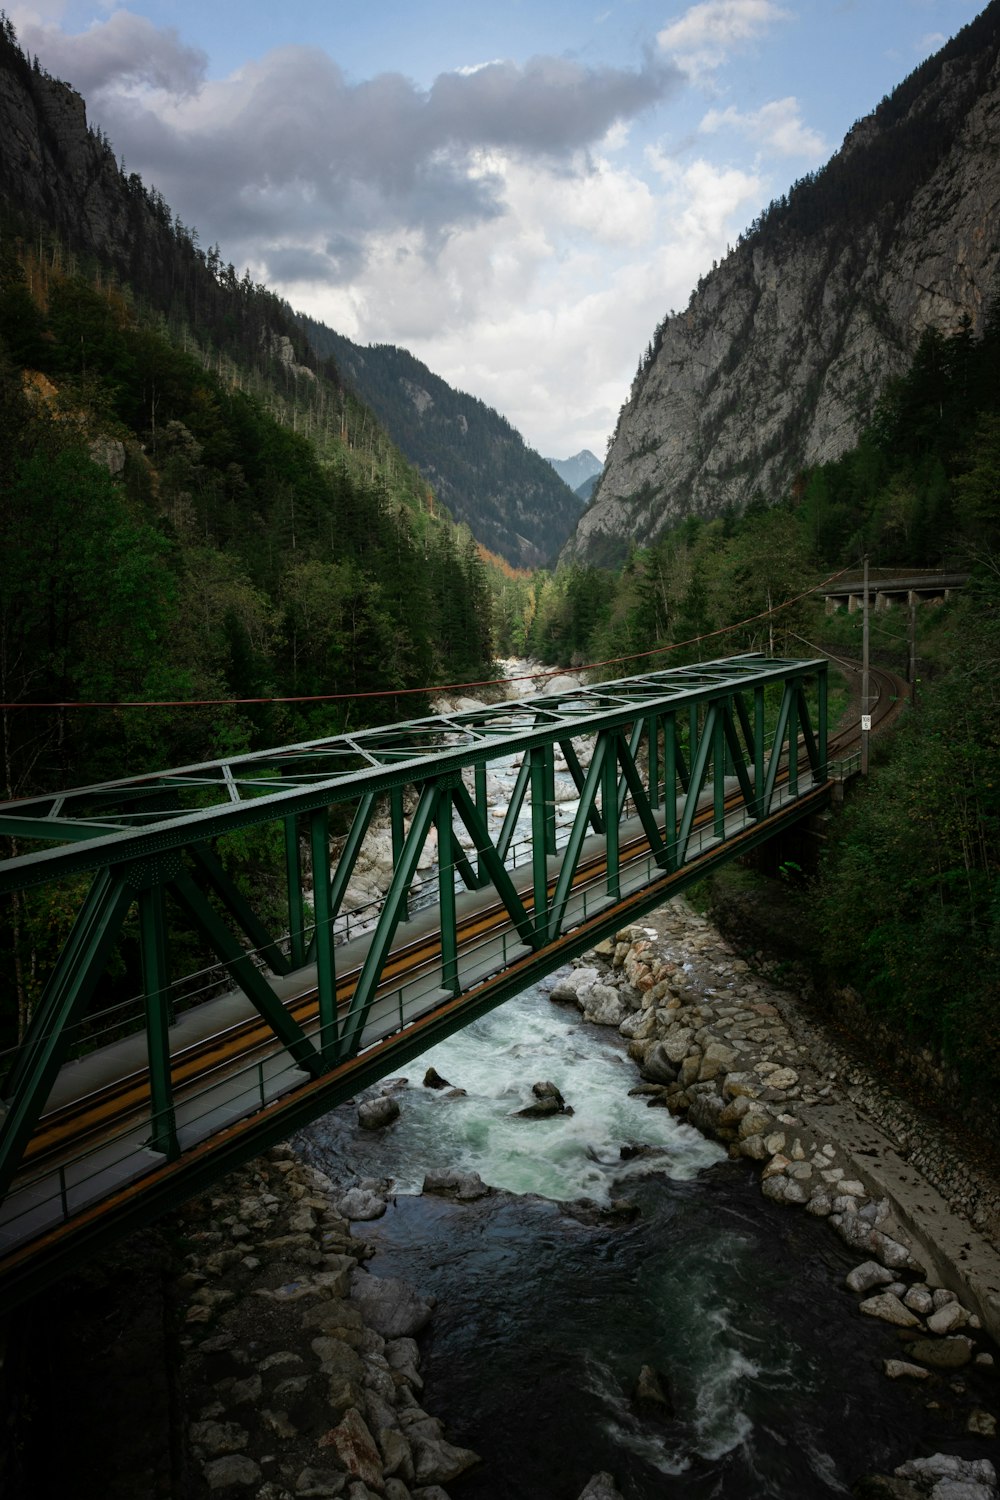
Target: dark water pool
543, 1324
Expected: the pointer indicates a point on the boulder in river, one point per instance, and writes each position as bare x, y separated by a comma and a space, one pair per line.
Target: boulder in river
433, 1080
373, 1114
601, 1487
650, 1396
548, 1101
942, 1354
360, 1205
392, 1307
465, 1186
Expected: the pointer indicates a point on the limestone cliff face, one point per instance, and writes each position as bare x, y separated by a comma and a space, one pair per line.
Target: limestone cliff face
56, 174
43, 126
783, 350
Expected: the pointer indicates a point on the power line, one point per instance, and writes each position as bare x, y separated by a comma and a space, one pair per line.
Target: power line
440, 687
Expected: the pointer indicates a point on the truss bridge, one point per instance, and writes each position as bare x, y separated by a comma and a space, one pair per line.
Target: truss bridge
208, 1001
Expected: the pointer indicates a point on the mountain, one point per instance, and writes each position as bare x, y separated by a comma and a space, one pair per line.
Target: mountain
480, 467
577, 470
780, 357
584, 491
193, 507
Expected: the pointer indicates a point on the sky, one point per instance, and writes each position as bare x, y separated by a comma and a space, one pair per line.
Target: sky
516, 191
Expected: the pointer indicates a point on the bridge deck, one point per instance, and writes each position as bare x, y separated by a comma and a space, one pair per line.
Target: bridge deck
664, 775
252, 1082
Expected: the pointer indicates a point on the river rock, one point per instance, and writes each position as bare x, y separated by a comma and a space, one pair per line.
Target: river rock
650, 1396
356, 1448
775, 1188
391, 1306
236, 1470
563, 683
571, 988
639, 1025
860, 1235
360, 1205
602, 1006
890, 1310
373, 1114
464, 1186
601, 1487
820, 1205
217, 1438
337, 1318
756, 1121
657, 1066
947, 1318
705, 1111
433, 1080
436, 1461
919, 1300
738, 1085
782, 1078
942, 1354
548, 1101
867, 1275
977, 1476
716, 1058
898, 1369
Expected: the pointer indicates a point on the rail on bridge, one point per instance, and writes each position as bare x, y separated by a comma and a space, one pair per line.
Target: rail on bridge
541, 824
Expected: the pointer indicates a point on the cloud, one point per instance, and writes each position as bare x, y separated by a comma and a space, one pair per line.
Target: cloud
777, 127
287, 144
125, 51
502, 223
704, 37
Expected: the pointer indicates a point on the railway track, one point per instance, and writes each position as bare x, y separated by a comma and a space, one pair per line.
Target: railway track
80, 1124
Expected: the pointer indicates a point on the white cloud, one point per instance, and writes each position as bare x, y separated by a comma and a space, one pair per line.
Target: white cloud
704, 37
706, 204
503, 224
777, 127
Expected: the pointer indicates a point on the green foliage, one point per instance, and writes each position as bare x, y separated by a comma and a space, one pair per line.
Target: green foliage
910, 891
228, 560
509, 496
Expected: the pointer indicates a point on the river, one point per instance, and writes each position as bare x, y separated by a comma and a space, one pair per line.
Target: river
544, 1320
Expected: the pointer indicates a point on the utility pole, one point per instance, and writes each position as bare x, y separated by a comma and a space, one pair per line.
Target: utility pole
866, 718
912, 673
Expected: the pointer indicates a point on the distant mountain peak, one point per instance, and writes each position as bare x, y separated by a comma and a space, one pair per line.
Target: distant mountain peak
481, 469
577, 470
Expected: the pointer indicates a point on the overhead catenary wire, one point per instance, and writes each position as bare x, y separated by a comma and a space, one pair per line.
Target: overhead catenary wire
440, 687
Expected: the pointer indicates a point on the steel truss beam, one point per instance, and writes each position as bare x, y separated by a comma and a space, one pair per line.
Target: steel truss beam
665, 752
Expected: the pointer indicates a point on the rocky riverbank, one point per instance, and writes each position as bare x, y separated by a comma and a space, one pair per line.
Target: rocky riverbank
300, 1371
300, 1367
741, 1060
294, 1368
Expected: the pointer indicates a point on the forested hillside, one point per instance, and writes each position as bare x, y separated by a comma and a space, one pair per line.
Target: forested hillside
191, 505
907, 902
509, 496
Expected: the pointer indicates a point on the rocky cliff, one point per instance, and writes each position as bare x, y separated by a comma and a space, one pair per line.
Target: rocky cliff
56, 174
783, 350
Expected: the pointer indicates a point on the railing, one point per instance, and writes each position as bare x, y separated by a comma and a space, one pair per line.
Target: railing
666, 771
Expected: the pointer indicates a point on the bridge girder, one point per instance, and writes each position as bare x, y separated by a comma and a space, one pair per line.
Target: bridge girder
655, 747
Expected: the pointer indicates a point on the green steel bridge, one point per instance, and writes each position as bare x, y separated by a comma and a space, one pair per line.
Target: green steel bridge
517, 835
